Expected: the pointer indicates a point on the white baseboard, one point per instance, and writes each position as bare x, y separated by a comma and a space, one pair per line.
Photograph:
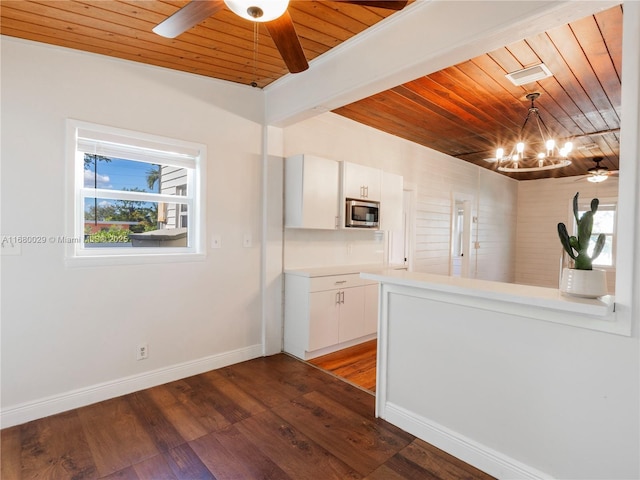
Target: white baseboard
25, 412
480, 456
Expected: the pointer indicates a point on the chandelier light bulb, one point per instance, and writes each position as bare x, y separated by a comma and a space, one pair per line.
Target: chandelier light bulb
499, 153
568, 147
520, 147
551, 143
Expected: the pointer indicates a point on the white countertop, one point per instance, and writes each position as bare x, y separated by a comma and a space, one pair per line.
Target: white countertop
521, 295
342, 270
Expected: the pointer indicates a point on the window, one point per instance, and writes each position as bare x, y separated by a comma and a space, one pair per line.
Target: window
134, 194
604, 221
182, 208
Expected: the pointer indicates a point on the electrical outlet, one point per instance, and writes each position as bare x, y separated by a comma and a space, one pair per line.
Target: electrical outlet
142, 351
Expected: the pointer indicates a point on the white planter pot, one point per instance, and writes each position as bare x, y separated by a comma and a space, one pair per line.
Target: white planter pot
584, 283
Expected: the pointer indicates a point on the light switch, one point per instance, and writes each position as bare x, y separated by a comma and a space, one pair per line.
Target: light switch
247, 240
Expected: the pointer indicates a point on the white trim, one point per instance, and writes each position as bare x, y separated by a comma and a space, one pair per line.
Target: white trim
25, 412
476, 454
538, 303
168, 151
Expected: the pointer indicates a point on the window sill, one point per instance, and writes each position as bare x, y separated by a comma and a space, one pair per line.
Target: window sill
140, 259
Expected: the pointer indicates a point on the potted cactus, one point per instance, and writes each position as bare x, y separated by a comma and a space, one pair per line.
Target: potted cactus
582, 280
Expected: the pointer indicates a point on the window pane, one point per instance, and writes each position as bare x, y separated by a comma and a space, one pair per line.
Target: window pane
605, 259
127, 223
118, 174
603, 221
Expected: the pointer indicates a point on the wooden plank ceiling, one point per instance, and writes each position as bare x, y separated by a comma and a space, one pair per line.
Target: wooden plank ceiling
470, 109
224, 46
466, 110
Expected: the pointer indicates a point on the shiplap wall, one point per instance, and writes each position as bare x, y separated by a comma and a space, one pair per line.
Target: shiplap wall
497, 219
541, 205
436, 180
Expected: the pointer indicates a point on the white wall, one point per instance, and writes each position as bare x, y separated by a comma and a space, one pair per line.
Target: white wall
433, 176
517, 397
68, 329
542, 204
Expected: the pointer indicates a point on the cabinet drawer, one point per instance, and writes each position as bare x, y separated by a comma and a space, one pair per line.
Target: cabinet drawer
334, 282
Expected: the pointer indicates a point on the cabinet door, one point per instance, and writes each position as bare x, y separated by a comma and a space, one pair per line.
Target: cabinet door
360, 181
370, 309
324, 308
312, 189
351, 313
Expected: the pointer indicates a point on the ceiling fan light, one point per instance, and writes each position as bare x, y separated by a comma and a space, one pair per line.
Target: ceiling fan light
258, 10
597, 178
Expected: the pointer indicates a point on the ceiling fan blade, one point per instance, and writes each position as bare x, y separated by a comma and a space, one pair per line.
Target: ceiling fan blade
388, 4
286, 39
188, 16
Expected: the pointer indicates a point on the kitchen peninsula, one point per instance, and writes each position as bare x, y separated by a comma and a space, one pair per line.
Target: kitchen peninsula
499, 375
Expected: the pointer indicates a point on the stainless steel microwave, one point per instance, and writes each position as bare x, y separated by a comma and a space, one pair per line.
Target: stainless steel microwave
359, 214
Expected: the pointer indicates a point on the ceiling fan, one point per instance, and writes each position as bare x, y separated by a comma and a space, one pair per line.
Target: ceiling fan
598, 173
273, 13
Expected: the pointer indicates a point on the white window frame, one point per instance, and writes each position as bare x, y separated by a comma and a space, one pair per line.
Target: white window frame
610, 203
180, 213
143, 147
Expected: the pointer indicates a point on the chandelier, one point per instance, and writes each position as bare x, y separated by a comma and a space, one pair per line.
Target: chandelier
539, 152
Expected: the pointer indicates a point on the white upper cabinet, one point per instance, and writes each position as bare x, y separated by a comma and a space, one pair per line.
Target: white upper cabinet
311, 192
361, 182
391, 203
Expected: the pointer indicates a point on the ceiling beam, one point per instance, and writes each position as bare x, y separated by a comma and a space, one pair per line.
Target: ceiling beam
421, 39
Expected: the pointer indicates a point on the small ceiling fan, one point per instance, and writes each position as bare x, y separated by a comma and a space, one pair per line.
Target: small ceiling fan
273, 13
598, 173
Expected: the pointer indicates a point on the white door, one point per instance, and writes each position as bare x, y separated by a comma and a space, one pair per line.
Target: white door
461, 219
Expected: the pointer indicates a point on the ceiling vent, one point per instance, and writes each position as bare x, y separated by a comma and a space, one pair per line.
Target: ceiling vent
529, 74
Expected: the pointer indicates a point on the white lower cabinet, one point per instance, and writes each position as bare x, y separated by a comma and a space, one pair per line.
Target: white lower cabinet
324, 314
324, 319
370, 309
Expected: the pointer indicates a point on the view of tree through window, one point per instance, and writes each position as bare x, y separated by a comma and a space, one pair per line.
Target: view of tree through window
135, 193
112, 221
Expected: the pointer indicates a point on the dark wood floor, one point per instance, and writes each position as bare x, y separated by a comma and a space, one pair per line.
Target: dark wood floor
355, 364
268, 418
